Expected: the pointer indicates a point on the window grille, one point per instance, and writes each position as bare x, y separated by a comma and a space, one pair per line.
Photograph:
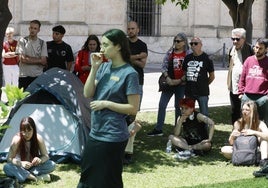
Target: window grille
147, 14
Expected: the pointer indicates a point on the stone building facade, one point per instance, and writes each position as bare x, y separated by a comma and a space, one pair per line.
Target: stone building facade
208, 19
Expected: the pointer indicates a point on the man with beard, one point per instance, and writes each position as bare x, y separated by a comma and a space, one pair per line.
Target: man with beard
139, 53
5, 17
253, 83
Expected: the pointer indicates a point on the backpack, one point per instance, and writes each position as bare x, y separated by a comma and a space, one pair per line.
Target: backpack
245, 151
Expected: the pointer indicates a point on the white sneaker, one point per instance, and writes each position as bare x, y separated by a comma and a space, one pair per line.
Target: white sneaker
181, 157
185, 153
44, 177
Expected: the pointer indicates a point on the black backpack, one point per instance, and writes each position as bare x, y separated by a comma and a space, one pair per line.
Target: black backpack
245, 151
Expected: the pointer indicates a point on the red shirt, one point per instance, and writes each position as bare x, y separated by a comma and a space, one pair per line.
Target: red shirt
10, 47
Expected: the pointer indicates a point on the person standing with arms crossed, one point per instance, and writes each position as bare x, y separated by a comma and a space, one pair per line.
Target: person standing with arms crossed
60, 54
139, 53
237, 55
113, 88
11, 59
33, 55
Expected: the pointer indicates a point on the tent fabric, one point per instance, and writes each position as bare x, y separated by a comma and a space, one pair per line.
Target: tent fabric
60, 111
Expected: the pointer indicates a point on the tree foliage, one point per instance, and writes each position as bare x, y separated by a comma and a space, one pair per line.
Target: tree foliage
239, 10
182, 3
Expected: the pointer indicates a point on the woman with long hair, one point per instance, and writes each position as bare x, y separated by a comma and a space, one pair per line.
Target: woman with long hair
172, 70
83, 64
28, 157
249, 124
113, 88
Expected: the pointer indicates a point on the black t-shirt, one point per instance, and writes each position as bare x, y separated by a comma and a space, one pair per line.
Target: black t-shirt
59, 54
194, 131
136, 48
196, 70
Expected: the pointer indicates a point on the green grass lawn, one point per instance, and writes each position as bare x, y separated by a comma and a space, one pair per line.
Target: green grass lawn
152, 167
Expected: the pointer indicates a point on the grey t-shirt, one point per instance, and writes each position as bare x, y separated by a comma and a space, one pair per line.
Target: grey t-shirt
33, 48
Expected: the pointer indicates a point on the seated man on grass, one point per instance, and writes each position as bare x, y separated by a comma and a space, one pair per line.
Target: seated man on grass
193, 131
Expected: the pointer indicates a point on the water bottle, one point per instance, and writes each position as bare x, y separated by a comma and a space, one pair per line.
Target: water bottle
169, 146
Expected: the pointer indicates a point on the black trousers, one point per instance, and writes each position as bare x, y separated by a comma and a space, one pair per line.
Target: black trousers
5, 17
102, 164
24, 82
235, 107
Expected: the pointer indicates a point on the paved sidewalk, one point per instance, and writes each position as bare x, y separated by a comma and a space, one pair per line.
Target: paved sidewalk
218, 89
219, 94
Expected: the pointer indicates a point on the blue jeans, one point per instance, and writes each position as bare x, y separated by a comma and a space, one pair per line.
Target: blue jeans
262, 104
203, 104
164, 100
21, 174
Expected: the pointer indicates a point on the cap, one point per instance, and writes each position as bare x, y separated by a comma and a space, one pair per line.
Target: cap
187, 102
59, 29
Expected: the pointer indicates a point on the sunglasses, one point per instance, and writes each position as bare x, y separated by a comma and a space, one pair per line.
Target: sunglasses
194, 43
235, 39
178, 41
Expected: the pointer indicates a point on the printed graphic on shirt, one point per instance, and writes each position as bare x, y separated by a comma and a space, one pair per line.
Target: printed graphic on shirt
255, 71
193, 70
177, 63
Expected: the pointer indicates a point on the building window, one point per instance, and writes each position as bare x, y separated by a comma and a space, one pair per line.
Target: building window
147, 14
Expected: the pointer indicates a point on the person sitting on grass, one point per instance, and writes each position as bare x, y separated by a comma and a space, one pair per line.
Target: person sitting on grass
28, 157
193, 131
249, 124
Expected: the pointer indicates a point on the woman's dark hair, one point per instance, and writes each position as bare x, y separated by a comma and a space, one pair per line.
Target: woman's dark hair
118, 37
28, 124
91, 37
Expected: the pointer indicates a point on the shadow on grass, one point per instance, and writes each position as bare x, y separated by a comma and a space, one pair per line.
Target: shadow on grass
69, 166
251, 182
150, 151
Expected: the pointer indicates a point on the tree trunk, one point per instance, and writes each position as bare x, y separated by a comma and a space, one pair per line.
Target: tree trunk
241, 15
5, 17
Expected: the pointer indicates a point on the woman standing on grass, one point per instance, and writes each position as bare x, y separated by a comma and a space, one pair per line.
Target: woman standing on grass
173, 73
114, 90
249, 124
28, 157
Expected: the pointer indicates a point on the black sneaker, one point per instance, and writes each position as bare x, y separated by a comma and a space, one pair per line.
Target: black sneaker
155, 132
263, 162
127, 159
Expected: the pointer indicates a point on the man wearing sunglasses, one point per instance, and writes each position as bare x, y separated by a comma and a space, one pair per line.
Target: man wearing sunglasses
199, 71
237, 55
